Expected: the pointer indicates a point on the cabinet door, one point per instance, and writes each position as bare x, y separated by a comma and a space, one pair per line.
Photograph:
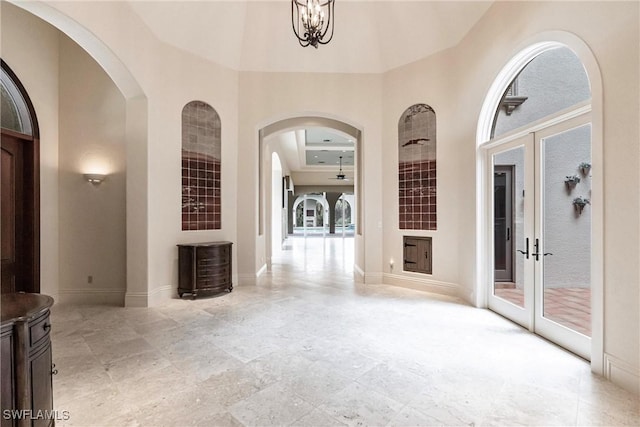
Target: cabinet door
417, 254
424, 255
41, 386
410, 254
7, 384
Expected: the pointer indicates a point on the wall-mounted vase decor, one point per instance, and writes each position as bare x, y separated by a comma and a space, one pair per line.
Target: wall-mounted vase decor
584, 167
571, 181
579, 203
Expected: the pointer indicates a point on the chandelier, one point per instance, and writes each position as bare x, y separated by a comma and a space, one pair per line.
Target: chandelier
311, 20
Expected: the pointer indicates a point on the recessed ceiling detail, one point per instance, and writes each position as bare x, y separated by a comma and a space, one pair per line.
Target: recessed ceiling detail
329, 158
324, 147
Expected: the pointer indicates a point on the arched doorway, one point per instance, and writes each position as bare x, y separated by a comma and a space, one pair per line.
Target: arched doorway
137, 239
311, 213
323, 181
20, 188
540, 159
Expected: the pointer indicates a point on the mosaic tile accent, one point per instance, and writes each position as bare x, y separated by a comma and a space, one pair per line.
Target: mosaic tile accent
201, 147
417, 168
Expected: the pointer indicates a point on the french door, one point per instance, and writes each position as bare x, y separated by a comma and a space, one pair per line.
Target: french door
540, 250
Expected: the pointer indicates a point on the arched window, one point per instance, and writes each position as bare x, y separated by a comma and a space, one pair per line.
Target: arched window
201, 147
417, 168
14, 109
550, 82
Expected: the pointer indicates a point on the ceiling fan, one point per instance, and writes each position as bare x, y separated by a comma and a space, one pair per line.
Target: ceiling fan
341, 176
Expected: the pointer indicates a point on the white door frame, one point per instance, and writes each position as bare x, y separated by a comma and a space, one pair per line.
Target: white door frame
523, 52
531, 315
521, 315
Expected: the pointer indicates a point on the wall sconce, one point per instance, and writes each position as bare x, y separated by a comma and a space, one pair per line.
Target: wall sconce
94, 178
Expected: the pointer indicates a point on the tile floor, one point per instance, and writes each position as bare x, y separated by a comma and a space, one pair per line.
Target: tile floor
309, 347
570, 307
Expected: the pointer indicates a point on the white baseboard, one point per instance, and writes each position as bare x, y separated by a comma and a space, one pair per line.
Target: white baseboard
136, 299
159, 295
251, 279
622, 373
422, 284
246, 279
358, 274
467, 295
373, 278
91, 296
261, 271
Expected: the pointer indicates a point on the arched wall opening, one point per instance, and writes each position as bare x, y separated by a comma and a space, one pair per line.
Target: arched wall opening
277, 204
526, 52
265, 199
303, 205
136, 142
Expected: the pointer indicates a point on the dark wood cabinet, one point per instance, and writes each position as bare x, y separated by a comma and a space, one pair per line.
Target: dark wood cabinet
417, 254
27, 387
204, 268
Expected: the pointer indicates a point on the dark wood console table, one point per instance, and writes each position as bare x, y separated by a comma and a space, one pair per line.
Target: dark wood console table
204, 268
26, 360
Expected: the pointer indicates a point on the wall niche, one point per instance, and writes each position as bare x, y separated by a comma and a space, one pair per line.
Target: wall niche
417, 168
201, 154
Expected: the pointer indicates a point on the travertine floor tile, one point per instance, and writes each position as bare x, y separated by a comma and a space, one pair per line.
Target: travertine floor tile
307, 346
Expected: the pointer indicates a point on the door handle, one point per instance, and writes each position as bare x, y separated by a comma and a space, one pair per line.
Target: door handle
508, 233
536, 254
526, 254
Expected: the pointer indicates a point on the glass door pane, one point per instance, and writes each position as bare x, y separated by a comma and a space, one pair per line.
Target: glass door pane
509, 236
565, 246
511, 225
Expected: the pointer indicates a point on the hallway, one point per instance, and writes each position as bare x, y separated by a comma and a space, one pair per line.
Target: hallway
308, 346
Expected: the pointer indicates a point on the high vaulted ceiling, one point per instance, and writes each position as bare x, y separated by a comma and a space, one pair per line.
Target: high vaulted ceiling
370, 36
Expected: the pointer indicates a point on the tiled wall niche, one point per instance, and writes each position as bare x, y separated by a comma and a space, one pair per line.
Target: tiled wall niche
417, 168
201, 149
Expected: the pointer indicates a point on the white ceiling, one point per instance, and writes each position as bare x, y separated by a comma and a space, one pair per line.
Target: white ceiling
371, 36
325, 147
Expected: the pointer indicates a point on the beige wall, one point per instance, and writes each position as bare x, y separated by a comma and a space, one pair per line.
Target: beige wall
455, 82
430, 82
268, 97
30, 48
185, 78
92, 217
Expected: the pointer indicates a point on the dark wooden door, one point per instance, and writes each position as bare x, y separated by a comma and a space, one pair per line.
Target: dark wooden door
12, 208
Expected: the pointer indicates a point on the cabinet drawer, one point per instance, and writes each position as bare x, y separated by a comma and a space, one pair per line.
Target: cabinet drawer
213, 271
39, 329
217, 260
212, 252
